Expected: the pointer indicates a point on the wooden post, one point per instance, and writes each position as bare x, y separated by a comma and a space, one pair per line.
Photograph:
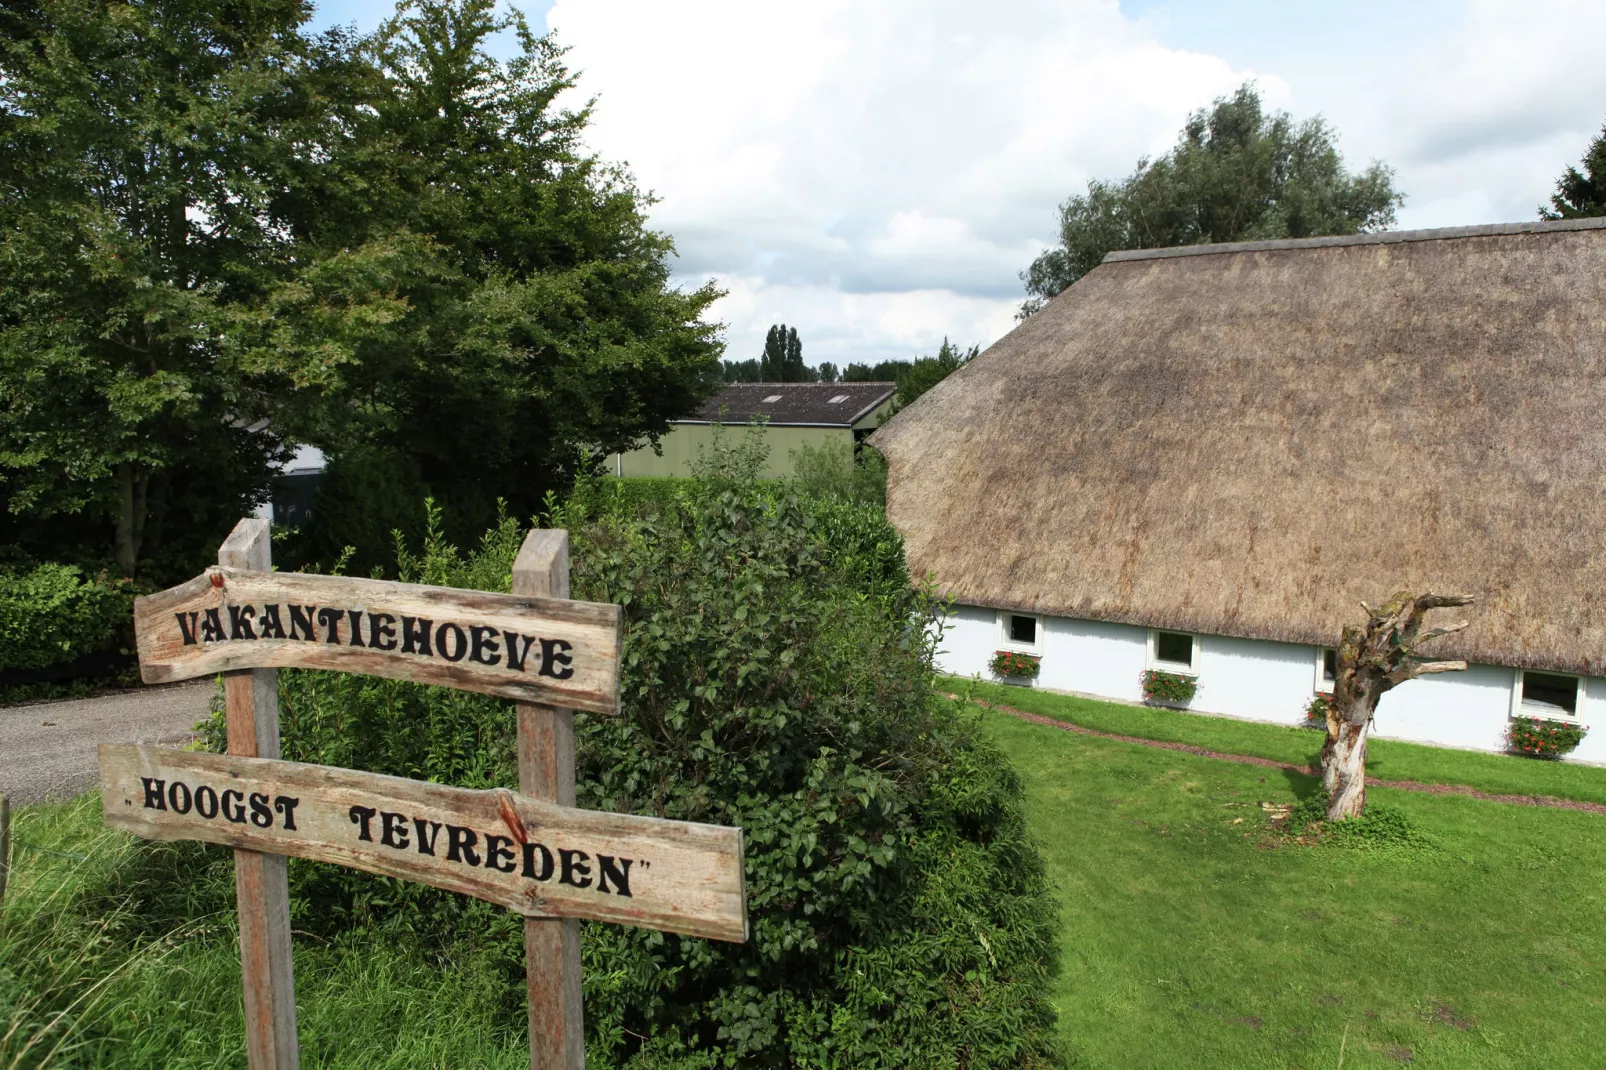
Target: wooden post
260, 880
546, 771
5, 841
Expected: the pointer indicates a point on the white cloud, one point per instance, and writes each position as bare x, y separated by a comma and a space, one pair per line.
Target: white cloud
877, 174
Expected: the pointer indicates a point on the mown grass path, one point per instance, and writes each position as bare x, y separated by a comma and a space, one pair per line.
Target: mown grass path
1194, 935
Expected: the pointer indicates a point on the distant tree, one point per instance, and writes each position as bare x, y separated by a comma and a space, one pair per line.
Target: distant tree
927, 372
886, 371
743, 371
1581, 193
828, 372
782, 361
1235, 174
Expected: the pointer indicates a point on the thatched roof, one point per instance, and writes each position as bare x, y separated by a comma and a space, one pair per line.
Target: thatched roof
1250, 439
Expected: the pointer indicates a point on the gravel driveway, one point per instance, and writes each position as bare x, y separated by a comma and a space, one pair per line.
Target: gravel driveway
47, 750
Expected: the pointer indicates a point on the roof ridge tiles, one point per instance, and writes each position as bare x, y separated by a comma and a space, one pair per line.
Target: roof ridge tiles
1385, 237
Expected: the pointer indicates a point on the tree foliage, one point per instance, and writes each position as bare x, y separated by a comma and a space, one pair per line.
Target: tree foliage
1581, 193
221, 233
1236, 173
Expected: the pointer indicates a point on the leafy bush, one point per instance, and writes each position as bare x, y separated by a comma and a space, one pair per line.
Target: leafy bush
54, 614
1174, 687
835, 469
899, 913
1011, 663
1378, 828
1540, 738
1316, 712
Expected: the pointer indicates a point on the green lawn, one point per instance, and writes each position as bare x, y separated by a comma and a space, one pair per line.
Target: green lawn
1386, 758
1193, 937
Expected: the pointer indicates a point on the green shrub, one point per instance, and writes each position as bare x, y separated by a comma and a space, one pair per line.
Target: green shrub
834, 469
899, 914
1539, 738
1161, 686
54, 614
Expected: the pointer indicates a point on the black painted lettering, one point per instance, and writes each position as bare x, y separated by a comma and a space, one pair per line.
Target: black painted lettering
499, 850
330, 619
153, 793
460, 643
240, 618
269, 624
393, 830
382, 631
428, 833
554, 652
212, 627
178, 797
186, 626
233, 809
460, 845
415, 635
354, 618
516, 654
301, 623
483, 646
206, 801
286, 805
261, 815
545, 872
361, 815
616, 868
575, 870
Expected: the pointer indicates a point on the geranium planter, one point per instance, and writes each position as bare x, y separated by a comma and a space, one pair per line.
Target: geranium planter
1171, 689
1013, 667
1536, 737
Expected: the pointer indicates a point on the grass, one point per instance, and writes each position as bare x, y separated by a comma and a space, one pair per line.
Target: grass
104, 964
1386, 758
1195, 936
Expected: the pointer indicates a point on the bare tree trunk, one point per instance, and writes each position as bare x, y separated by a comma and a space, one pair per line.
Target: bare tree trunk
131, 487
1371, 662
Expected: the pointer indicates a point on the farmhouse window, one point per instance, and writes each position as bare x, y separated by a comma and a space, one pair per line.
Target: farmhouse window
1549, 695
1022, 629
1021, 632
1326, 668
1173, 651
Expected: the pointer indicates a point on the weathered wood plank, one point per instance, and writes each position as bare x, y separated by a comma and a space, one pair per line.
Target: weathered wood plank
546, 771
537, 858
261, 881
533, 649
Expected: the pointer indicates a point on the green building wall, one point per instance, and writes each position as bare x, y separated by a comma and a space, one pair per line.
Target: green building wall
684, 441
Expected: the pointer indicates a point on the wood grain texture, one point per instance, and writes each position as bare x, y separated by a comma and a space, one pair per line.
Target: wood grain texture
261, 881
681, 877
467, 645
555, 999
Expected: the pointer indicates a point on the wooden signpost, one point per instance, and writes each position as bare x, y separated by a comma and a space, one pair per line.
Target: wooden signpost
531, 851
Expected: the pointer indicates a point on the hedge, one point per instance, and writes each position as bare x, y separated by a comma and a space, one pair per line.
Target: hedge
55, 614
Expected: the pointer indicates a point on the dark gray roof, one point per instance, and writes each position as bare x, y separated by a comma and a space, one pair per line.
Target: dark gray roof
808, 404
1380, 237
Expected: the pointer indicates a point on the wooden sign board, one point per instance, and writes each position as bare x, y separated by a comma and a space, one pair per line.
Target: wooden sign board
548, 650
537, 858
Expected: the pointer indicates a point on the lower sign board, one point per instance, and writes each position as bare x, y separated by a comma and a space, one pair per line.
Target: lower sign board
534, 857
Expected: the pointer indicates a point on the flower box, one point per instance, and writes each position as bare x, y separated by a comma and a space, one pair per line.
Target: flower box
1162, 688
1537, 737
1316, 712
1013, 667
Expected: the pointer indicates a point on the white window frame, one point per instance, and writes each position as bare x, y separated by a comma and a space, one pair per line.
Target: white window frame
1006, 643
1177, 667
1519, 710
1323, 685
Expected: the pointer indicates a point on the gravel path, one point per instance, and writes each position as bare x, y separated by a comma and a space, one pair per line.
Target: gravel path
47, 750
1267, 763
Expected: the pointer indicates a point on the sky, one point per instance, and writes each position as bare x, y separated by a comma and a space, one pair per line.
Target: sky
877, 174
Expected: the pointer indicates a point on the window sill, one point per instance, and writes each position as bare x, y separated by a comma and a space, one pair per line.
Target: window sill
1174, 669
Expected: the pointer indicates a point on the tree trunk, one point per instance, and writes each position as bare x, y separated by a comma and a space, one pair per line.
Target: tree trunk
1344, 767
131, 486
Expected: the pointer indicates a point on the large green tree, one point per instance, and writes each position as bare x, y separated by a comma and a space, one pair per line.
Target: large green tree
1581, 193
1236, 173
782, 360
147, 149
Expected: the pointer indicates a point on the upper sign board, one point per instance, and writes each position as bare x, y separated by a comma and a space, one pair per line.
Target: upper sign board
548, 650
535, 857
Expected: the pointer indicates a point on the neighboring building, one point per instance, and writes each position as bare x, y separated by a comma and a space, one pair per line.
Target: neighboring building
294, 489
795, 414
1203, 459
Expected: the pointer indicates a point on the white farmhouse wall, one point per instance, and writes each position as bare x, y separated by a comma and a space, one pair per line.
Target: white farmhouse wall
1260, 680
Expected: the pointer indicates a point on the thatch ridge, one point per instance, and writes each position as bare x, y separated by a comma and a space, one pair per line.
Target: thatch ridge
1379, 237
1251, 444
